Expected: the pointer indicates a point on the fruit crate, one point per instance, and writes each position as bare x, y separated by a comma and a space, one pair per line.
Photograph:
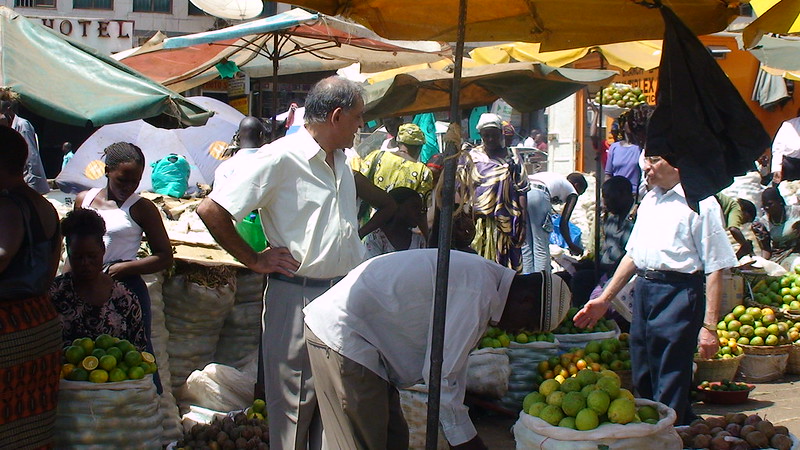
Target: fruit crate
717, 369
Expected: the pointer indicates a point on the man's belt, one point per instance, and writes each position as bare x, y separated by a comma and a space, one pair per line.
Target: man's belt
668, 276
304, 281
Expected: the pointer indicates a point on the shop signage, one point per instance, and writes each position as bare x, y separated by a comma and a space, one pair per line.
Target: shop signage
646, 80
105, 35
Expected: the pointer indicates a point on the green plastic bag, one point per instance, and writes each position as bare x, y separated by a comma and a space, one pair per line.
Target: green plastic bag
171, 175
250, 230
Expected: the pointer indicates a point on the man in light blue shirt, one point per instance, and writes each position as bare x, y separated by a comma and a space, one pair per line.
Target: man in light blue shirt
671, 248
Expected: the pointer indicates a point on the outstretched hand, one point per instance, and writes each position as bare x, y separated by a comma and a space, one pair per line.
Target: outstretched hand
591, 312
275, 260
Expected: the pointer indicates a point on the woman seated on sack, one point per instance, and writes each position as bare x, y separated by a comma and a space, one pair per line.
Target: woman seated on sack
89, 301
396, 234
778, 231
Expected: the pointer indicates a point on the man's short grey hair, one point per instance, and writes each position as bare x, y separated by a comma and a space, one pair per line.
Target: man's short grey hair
329, 94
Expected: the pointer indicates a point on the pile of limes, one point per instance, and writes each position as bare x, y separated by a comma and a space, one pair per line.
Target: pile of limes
611, 353
105, 360
620, 94
569, 327
586, 401
754, 326
496, 338
783, 292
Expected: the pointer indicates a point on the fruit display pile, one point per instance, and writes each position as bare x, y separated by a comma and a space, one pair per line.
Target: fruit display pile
568, 326
496, 338
227, 434
586, 401
783, 292
724, 385
622, 95
257, 410
754, 326
105, 360
609, 353
735, 432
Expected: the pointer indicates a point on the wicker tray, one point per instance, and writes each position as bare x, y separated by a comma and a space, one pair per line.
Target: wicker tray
766, 349
793, 365
717, 369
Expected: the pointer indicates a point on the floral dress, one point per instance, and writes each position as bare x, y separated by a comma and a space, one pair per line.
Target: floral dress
120, 316
378, 244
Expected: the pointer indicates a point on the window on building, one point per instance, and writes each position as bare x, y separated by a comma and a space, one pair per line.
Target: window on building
195, 11
34, 3
158, 6
93, 4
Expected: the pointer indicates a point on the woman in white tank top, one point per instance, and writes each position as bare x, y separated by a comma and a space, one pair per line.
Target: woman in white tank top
129, 216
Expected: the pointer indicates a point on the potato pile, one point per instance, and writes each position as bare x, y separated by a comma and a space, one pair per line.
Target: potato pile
735, 432
238, 432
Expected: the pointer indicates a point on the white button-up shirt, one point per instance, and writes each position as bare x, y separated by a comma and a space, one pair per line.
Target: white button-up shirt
380, 317
668, 235
786, 143
305, 205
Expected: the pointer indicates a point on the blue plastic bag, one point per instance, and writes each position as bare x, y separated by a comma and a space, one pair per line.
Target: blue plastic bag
171, 175
556, 237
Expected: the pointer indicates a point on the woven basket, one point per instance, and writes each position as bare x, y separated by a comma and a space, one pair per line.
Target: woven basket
717, 369
793, 366
766, 349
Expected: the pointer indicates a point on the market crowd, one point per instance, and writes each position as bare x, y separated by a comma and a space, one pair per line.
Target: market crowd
351, 263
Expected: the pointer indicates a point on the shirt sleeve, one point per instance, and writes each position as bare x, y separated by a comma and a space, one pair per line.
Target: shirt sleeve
609, 169
712, 242
782, 144
249, 186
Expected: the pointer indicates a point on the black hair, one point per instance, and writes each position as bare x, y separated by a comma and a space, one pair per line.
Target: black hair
772, 193
747, 207
401, 194
636, 119
122, 152
617, 191
329, 94
14, 153
617, 185
578, 181
83, 223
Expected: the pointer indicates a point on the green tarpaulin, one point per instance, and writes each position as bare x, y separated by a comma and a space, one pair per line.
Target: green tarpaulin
67, 82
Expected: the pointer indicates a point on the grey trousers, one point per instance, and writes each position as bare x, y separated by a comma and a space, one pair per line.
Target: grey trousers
293, 416
361, 410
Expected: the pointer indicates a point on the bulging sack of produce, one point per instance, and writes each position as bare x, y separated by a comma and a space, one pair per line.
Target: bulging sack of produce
487, 372
414, 402
220, 388
533, 432
241, 332
108, 415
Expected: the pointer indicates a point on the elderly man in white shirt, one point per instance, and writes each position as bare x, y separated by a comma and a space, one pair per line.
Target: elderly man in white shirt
671, 248
370, 334
306, 195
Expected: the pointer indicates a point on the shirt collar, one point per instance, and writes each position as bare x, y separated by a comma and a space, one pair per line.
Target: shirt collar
307, 145
677, 190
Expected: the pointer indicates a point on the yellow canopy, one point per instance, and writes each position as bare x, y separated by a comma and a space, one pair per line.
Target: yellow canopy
444, 64
557, 24
780, 17
625, 55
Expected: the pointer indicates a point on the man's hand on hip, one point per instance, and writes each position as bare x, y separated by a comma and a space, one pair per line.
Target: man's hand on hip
707, 343
275, 260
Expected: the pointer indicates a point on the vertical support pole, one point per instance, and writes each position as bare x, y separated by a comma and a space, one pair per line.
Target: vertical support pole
445, 236
275, 63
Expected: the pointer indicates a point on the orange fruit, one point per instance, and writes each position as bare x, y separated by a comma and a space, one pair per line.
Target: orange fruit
90, 363
74, 354
581, 364
148, 357
98, 376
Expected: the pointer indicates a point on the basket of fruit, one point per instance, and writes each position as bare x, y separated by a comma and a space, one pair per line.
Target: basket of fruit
718, 368
793, 364
724, 392
618, 98
766, 349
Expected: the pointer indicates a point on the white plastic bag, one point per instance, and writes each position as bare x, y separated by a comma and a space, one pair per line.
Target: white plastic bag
763, 368
219, 387
414, 402
532, 432
523, 360
108, 415
487, 372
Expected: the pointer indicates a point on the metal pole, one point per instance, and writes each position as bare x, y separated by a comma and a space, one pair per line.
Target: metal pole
275, 64
445, 235
599, 175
